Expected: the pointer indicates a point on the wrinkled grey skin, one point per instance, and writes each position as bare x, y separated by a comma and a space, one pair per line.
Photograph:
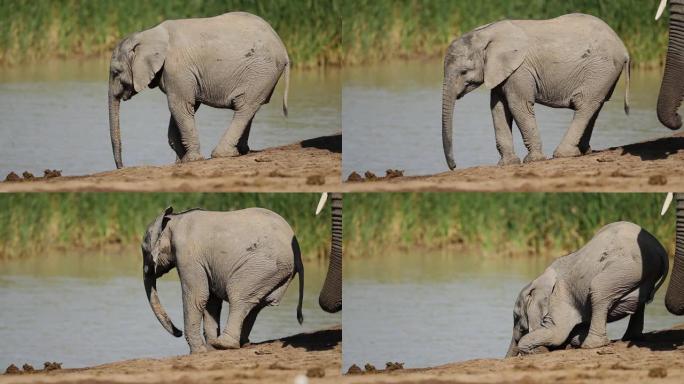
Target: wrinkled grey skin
674, 298
229, 61
330, 297
672, 88
572, 61
614, 275
246, 257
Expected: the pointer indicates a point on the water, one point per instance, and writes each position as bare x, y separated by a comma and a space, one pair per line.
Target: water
54, 115
391, 114
86, 309
436, 308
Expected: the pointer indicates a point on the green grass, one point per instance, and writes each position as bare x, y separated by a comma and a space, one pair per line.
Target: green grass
32, 30
31, 224
375, 30
506, 224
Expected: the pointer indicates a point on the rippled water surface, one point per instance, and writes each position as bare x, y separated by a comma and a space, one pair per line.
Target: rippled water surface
391, 114
54, 115
426, 309
86, 309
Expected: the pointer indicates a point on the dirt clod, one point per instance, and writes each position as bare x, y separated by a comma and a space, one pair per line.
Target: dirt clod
353, 178
12, 370
315, 372
657, 180
392, 173
354, 370
12, 177
50, 173
28, 368
370, 176
52, 366
28, 175
657, 372
370, 368
393, 366
315, 180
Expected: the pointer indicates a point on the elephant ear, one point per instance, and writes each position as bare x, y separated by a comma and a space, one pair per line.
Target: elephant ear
537, 303
505, 51
149, 56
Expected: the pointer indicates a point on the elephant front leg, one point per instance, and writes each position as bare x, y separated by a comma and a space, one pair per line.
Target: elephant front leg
212, 318
175, 141
503, 121
194, 302
234, 140
548, 336
183, 114
575, 142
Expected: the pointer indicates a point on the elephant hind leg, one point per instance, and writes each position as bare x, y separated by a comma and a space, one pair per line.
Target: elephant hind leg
249, 324
212, 318
636, 324
230, 337
234, 140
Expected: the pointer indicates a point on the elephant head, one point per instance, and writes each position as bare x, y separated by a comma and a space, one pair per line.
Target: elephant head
674, 298
671, 88
531, 307
157, 260
488, 54
136, 64
330, 298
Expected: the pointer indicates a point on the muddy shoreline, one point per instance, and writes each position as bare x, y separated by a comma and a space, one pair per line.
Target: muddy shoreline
315, 355
656, 357
312, 165
650, 166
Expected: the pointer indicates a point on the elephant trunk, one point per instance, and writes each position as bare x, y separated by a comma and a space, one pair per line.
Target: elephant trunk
153, 298
448, 100
512, 349
674, 298
330, 298
671, 89
114, 129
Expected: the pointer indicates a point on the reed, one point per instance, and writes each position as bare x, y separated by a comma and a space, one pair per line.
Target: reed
375, 30
36, 223
504, 224
33, 30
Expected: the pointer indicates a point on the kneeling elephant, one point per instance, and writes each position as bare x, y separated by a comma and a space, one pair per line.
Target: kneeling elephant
614, 275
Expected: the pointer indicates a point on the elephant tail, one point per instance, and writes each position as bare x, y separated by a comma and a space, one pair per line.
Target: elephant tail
287, 87
627, 69
299, 270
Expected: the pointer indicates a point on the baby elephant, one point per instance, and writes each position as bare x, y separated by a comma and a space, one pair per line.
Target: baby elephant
247, 257
573, 61
614, 275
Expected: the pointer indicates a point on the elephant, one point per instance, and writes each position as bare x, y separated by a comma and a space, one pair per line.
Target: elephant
612, 276
229, 61
671, 88
572, 61
247, 257
330, 297
674, 296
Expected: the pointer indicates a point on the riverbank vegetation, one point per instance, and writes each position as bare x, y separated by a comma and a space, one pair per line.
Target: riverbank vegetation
38, 30
497, 224
376, 30
34, 223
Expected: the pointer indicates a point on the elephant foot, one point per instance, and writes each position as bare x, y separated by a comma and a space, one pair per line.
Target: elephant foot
200, 349
225, 342
191, 156
243, 149
593, 341
509, 160
534, 156
569, 151
230, 152
586, 150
